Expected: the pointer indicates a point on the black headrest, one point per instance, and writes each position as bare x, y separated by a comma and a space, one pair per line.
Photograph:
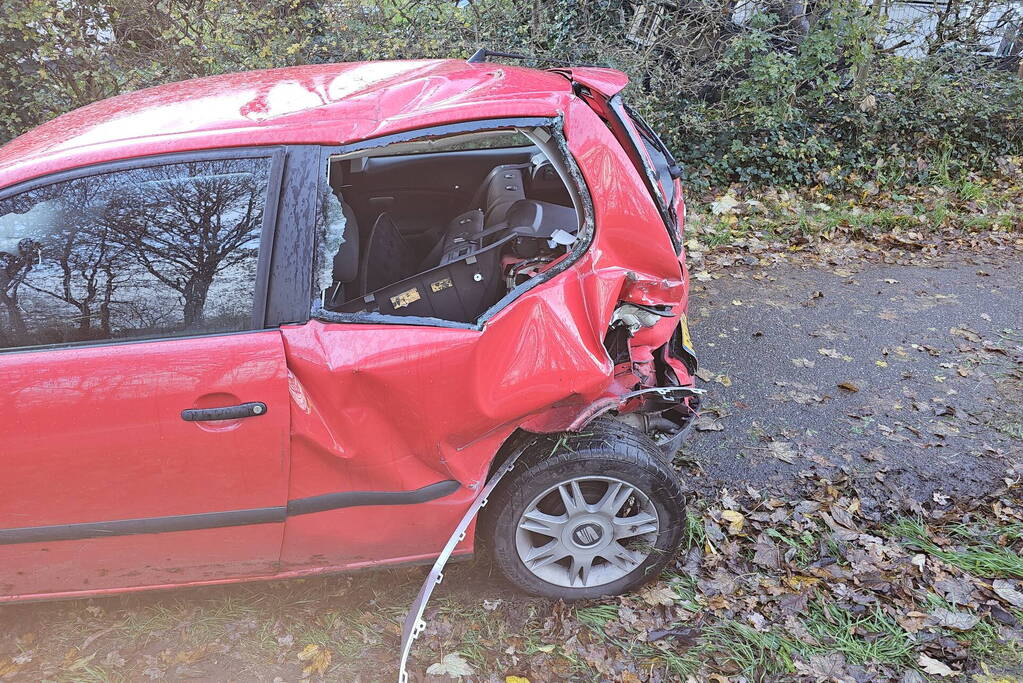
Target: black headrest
346, 260
542, 218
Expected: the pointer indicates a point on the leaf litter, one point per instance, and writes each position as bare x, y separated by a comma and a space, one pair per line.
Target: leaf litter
844, 581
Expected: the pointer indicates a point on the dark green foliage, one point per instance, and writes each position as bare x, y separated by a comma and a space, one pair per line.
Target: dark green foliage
777, 99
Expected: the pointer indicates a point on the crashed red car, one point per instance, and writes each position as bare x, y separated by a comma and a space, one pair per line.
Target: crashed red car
305, 320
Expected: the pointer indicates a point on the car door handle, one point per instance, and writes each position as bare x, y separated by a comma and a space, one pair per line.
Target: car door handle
250, 409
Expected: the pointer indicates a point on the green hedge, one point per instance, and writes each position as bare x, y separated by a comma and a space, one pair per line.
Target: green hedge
765, 103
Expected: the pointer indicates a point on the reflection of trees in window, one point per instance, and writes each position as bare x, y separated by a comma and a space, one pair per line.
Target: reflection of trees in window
137, 253
87, 257
14, 269
186, 228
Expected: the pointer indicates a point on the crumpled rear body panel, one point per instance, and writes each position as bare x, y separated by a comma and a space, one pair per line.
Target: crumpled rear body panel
391, 407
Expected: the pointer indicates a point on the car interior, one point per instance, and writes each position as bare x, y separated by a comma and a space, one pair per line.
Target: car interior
444, 227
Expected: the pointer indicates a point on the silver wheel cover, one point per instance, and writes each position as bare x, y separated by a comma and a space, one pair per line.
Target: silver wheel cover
586, 531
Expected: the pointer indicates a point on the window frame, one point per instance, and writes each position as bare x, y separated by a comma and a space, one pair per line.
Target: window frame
554, 125
625, 121
276, 155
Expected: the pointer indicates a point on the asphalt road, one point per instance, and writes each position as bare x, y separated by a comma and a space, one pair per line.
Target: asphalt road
910, 376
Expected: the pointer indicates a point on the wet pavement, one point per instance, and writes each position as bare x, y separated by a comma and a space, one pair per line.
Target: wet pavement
908, 375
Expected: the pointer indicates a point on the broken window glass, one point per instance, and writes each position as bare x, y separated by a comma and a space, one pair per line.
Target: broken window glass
441, 227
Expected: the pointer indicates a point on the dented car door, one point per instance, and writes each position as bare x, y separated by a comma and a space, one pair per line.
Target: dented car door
410, 413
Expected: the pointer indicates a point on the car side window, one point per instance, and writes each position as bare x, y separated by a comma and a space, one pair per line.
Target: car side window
394, 242
147, 252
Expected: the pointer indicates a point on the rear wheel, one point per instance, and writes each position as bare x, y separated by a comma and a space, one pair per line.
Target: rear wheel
584, 515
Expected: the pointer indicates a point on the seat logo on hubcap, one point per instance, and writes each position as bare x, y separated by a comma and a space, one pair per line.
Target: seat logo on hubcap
587, 534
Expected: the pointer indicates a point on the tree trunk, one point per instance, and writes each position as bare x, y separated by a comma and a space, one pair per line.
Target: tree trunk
104, 307
864, 67
196, 291
85, 320
17, 322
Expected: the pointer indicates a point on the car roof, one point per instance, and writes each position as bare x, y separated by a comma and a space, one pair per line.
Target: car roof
316, 104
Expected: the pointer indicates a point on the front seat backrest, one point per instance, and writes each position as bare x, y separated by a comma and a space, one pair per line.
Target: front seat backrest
387, 257
502, 187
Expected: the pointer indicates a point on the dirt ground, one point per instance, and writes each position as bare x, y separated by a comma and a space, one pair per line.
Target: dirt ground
856, 516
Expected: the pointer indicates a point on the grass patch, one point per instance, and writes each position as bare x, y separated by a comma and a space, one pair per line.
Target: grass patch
1013, 430
804, 545
871, 636
759, 655
597, 616
694, 534
979, 553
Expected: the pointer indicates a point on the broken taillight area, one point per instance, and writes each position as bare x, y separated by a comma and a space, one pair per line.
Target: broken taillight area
661, 398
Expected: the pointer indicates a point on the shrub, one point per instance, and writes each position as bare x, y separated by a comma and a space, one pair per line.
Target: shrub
776, 98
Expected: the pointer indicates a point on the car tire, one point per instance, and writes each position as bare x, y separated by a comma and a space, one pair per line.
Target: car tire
587, 514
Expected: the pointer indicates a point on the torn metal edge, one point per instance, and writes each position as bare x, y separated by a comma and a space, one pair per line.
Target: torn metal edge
318, 312
414, 623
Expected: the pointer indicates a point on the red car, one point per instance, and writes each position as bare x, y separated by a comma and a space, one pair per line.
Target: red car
306, 320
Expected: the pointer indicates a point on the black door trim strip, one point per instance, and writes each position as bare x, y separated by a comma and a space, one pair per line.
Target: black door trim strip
347, 499
226, 518
146, 525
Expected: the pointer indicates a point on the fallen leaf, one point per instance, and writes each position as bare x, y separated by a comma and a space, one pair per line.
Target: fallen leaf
659, 595
803, 362
955, 591
705, 374
782, 450
319, 664
959, 621
848, 386
308, 652
516, 679
452, 665
8, 667
723, 380
830, 667
934, 667
706, 423
766, 553
724, 204
735, 520
965, 333
1008, 592
684, 636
